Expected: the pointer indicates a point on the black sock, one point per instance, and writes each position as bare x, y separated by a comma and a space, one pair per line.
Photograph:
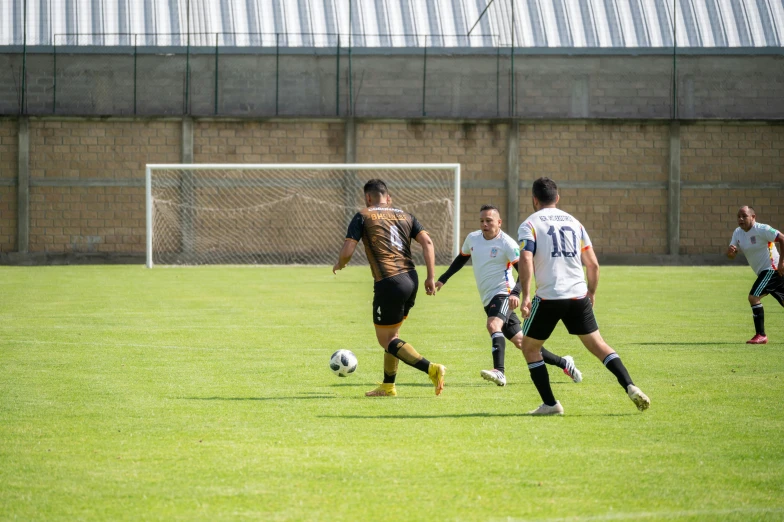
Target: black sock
499, 348
542, 382
759, 318
613, 363
422, 365
552, 359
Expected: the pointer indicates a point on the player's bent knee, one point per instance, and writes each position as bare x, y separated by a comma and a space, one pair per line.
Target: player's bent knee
754, 300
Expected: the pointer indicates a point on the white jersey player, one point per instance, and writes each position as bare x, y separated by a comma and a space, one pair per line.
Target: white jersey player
756, 241
493, 254
554, 247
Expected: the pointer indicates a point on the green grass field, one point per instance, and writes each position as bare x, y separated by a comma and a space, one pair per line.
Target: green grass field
205, 394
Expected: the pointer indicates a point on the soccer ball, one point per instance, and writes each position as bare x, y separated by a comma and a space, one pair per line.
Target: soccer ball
343, 363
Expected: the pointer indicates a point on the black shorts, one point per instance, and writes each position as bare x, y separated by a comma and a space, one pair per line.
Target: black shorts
499, 307
576, 314
769, 282
393, 297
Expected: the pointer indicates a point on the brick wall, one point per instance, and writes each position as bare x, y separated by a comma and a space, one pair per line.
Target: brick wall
619, 221
8, 168
589, 160
7, 219
479, 148
94, 219
728, 154
268, 142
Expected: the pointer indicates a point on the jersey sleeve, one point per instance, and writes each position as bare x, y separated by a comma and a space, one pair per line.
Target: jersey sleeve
585, 240
770, 233
416, 228
526, 232
466, 248
355, 227
512, 250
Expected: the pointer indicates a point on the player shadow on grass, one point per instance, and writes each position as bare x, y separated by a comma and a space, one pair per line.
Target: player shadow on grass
453, 384
684, 344
257, 398
468, 415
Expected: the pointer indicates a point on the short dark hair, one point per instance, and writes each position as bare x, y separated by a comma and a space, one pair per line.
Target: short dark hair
490, 207
376, 186
545, 190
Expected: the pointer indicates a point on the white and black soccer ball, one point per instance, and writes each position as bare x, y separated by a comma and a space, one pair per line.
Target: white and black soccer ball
343, 363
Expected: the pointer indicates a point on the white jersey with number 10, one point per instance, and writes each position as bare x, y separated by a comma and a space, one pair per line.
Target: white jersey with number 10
560, 240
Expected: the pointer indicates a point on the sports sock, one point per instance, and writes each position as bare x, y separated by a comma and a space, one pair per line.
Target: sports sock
542, 382
499, 347
552, 359
759, 318
390, 368
406, 353
613, 363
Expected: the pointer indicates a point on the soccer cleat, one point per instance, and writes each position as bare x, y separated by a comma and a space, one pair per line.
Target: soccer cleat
571, 370
758, 339
383, 390
496, 376
638, 397
436, 373
544, 409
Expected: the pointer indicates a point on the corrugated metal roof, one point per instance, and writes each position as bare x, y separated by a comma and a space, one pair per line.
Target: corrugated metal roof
396, 23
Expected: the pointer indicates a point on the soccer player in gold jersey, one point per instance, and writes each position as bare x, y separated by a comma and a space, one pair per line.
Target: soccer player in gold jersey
387, 233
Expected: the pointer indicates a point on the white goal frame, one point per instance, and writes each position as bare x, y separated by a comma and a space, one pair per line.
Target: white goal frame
455, 167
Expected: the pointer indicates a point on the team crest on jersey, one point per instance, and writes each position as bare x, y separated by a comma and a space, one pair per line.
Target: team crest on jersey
753, 240
493, 252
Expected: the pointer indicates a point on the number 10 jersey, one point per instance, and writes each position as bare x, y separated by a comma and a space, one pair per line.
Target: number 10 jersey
558, 240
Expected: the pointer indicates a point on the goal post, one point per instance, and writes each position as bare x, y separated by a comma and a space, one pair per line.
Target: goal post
289, 213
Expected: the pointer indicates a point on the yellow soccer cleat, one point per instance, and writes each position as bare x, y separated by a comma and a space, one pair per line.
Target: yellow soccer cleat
383, 390
436, 373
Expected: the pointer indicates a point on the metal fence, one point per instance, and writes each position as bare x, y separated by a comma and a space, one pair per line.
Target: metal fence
258, 75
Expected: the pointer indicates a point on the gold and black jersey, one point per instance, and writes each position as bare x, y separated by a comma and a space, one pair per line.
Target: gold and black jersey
387, 235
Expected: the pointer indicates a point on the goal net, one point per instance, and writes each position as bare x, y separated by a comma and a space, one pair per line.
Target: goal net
287, 213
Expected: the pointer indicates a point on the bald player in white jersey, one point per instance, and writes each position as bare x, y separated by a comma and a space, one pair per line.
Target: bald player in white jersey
554, 247
756, 241
493, 254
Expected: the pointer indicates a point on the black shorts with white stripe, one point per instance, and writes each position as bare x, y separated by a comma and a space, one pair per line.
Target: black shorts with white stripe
769, 282
499, 307
576, 314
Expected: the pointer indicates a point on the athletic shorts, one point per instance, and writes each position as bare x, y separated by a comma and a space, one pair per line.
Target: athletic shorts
393, 297
769, 282
499, 307
576, 314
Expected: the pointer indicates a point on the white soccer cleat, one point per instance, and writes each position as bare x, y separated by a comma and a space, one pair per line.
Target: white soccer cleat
571, 370
638, 397
496, 376
544, 409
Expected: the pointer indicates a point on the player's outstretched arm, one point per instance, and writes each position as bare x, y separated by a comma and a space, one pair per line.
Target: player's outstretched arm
457, 263
423, 238
345, 255
591, 271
